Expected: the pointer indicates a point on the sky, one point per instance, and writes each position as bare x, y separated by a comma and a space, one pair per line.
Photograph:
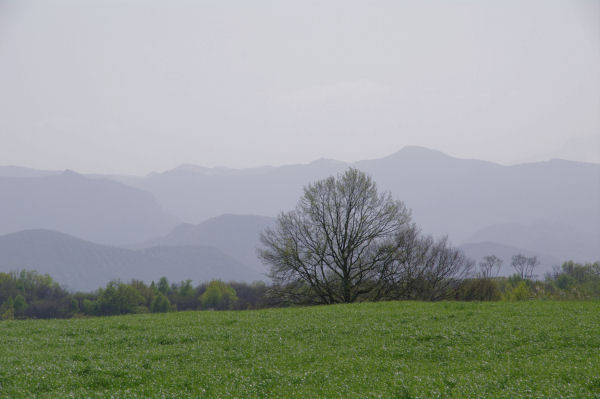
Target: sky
134, 86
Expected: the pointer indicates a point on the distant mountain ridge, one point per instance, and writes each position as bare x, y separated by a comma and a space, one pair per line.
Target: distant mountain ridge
462, 198
235, 235
95, 209
447, 195
83, 265
18, 171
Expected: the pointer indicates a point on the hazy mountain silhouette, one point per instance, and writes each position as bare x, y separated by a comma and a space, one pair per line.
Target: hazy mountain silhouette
83, 265
236, 235
95, 209
196, 194
17, 171
447, 195
460, 196
576, 147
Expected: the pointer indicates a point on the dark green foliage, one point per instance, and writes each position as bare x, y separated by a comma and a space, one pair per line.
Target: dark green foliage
7, 309
74, 306
88, 307
50, 308
160, 304
119, 298
479, 289
148, 292
31, 295
163, 286
218, 296
564, 281
251, 296
20, 305
520, 292
184, 296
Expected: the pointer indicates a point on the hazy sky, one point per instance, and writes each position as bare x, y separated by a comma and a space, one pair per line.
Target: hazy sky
131, 86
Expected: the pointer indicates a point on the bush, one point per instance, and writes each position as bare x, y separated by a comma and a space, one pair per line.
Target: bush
119, 298
218, 296
7, 310
88, 307
160, 304
20, 306
520, 292
479, 289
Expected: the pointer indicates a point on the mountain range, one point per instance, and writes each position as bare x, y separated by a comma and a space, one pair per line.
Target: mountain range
463, 198
95, 209
86, 266
551, 209
235, 235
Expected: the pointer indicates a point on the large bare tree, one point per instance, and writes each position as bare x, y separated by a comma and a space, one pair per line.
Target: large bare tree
338, 244
346, 242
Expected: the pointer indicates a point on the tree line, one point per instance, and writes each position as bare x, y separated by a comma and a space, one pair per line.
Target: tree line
571, 281
28, 294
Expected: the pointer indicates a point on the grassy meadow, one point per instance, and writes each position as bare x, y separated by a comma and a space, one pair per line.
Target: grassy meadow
529, 349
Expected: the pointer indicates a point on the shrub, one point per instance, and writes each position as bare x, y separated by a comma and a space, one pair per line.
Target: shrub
20, 306
88, 307
7, 310
119, 298
218, 296
160, 304
520, 292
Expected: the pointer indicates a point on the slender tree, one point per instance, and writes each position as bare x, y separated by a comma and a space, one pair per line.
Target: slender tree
489, 266
524, 265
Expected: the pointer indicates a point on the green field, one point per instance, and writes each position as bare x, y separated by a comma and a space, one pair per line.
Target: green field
378, 350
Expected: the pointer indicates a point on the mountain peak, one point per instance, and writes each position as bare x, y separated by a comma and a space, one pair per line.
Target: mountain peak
413, 153
68, 173
419, 150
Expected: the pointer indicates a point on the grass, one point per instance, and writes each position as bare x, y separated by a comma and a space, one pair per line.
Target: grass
371, 350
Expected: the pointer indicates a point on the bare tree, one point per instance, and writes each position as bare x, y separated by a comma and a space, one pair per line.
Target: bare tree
489, 266
524, 265
426, 268
339, 243
345, 242
519, 263
532, 263
444, 265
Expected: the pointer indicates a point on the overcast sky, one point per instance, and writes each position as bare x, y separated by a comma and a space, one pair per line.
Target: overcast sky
131, 86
